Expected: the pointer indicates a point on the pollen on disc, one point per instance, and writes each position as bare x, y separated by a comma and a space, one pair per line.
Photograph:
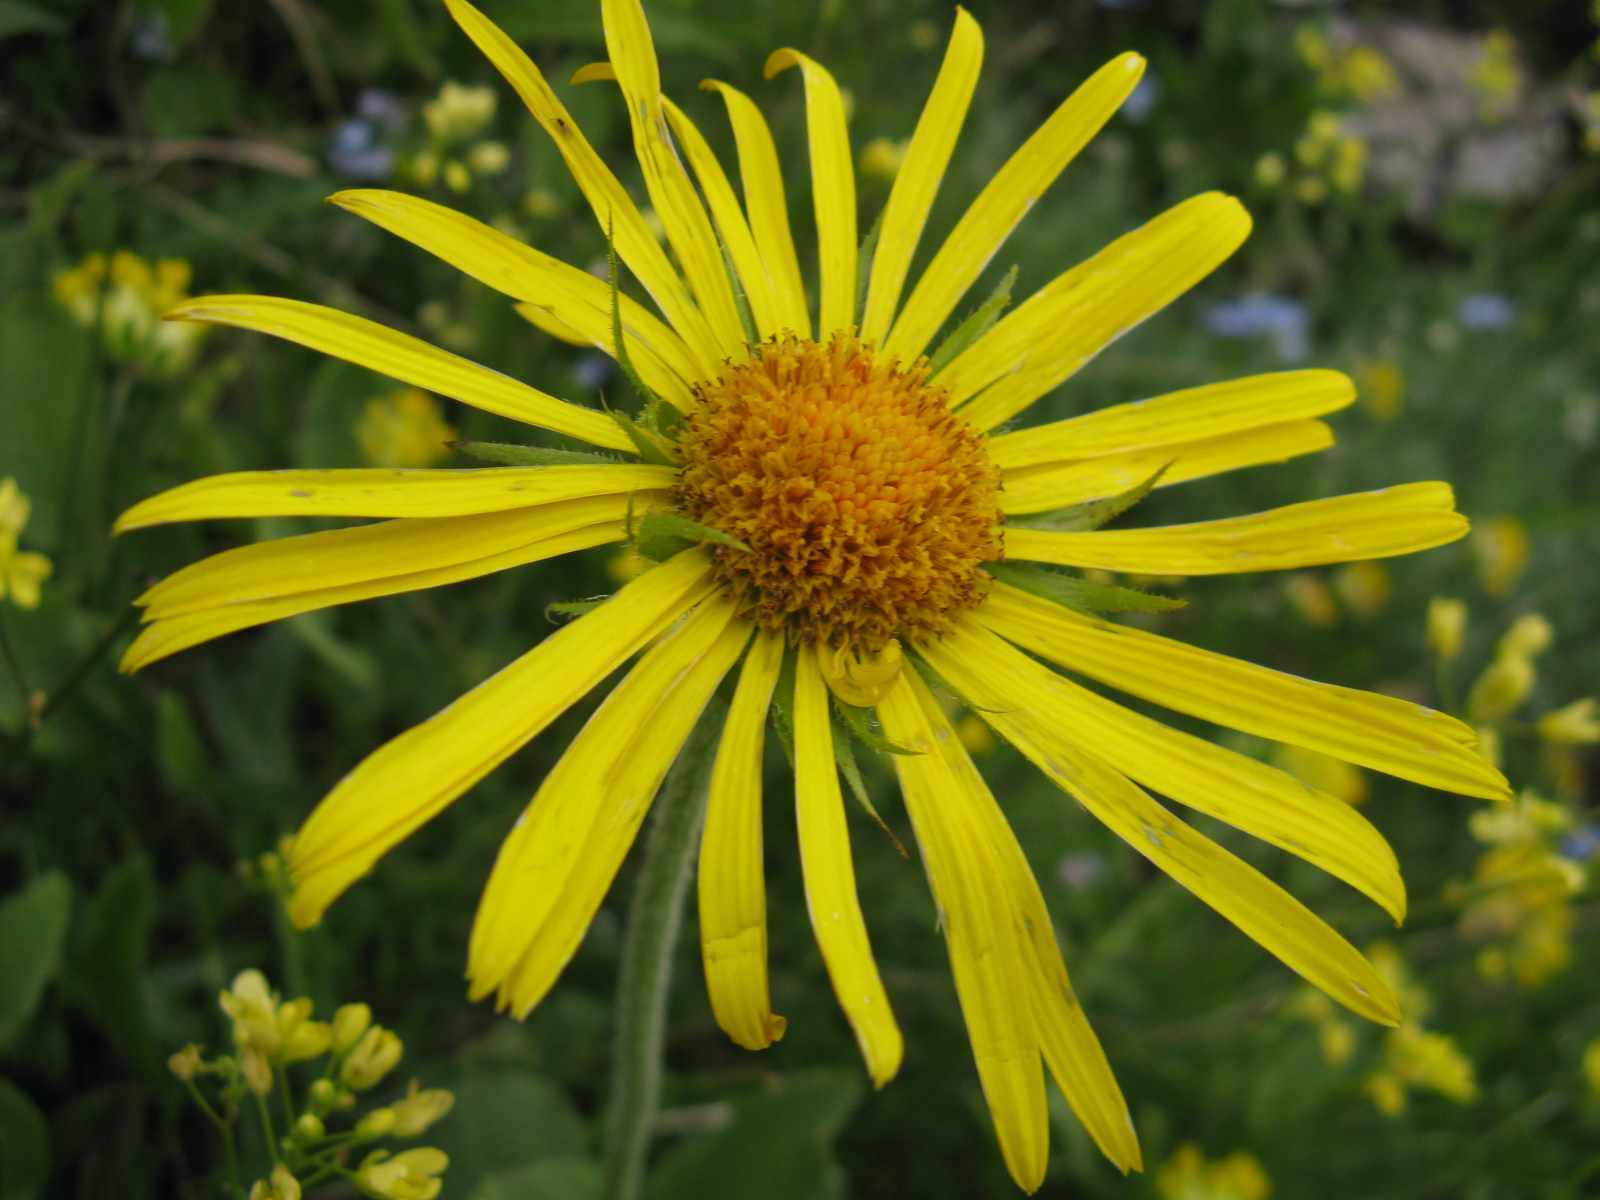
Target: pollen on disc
868, 506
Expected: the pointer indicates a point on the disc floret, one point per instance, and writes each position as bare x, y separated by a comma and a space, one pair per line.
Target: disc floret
867, 505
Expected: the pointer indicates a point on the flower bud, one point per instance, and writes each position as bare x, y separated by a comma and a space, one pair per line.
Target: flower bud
253, 1008
186, 1063
309, 1128
376, 1124
420, 1109
257, 1070
1447, 619
373, 1057
410, 1175
1501, 688
1529, 635
281, 1185
349, 1023
324, 1094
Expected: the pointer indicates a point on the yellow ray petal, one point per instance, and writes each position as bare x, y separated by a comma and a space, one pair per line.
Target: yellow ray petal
1260, 908
166, 635
1192, 415
1071, 319
917, 181
830, 878
736, 236
410, 779
1005, 199
579, 300
1372, 730
1380, 524
1057, 485
764, 201
408, 359
733, 893
387, 492
613, 208
1262, 801
987, 956
833, 189
1070, 1047
633, 54
558, 863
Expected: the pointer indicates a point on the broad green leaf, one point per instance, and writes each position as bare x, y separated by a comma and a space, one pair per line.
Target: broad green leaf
33, 924
1079, 594
505, 1120
567, 1177
24, 1145
108, 977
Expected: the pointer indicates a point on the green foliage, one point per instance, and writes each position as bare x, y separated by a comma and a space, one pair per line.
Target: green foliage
33, 924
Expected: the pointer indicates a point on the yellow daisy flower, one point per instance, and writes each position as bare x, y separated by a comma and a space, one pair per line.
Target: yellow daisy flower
862, 529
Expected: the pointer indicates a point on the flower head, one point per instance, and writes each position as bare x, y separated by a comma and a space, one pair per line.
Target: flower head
830, 517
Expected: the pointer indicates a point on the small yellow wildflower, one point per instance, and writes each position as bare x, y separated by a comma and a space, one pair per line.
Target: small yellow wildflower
542, 203
22, 572
1386, 1092
1367, 75
1270, 169
1529, 635
186, 1063
1496, 77
1447, 622
420, 1109
1364, 587
350, 1022
1502, 688
881, 157
404, 429
126, 298
489, 158
409, 1175
1187, 1175
1383, 388
1591, 1066
1420, 1058
1312, 599
280, 1185
1573, 724
373, 1057
459, 112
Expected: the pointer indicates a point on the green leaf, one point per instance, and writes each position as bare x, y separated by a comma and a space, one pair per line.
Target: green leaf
510, 454
869, 247
975, 326
741, 301
18, 18
1077, 593
24, 1145
863, 725
108, 975
845, 756
33, 924
661, 535
505, 1119
568, 1177
1092, 514
619, 346
179, 746
651, 446
558, 610
778, 1144
783, 704
183, 18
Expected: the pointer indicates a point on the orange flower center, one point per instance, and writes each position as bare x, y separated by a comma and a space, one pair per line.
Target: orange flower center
868, 506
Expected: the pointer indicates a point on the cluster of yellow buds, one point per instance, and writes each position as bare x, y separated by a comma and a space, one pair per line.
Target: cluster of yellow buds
1189, 1175
1496, 77
21, 571
455, 153
269, 1035
1360, 589
1519, 900
404, 429
1327, 159
1415, 1057
124, 298
1359, 72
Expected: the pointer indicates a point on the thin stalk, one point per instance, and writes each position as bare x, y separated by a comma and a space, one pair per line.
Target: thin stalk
655, 918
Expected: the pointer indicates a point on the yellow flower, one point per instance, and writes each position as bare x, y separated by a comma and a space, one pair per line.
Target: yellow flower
459, 112
280, 1185
1502, 688
1591, 1065
1367, 75
370, 1059
868, 524
1364, 587
404, 429
1383, 388
1188, 1176
22, 572
420, 1109
1311, 598
1529, 635
881, 157
1387, 1093
1420, 1058
409, 1175
1270, 169
1573, 724
127, 298
1496, 77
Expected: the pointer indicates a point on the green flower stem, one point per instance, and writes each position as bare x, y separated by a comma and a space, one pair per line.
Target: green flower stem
655, 918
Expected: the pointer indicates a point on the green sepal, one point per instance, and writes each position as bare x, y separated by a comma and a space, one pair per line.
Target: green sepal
975, 326
1079, 594
845, 758
652, 447
740, 300
864, 256
783, 703
565, 610
1092, 514
860, 722
660, 535
510, 454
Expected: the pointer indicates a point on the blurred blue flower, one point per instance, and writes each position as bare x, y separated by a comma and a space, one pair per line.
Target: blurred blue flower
382, 108
356, 152
1260, 314
1581, 843
1485, 310
152, 38
1142, 99
591, 371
